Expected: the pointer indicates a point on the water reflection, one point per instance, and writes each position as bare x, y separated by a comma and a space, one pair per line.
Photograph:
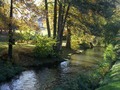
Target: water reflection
48, 78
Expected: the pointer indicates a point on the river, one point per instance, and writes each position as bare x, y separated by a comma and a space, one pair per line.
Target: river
56, 77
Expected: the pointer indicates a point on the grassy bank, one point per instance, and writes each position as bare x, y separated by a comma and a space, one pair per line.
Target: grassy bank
112, 79
7, 68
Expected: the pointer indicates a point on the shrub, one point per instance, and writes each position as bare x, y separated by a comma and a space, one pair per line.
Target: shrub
44, 46
109, 54
18, 36
8, 70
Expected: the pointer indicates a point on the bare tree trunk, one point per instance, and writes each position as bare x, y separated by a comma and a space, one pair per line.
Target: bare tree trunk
66, 14
55, 19
47, 19
68, 43
10, 47
61, 24
59, 28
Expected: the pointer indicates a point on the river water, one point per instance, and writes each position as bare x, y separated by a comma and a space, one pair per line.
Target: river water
55, 78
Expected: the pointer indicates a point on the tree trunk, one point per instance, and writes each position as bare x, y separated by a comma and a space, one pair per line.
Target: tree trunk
10, 47
66, 14
68, 43
47, 19
61, 24
59, 36
55, 19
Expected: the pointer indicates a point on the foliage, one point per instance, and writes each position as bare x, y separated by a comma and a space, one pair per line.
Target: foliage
27, 36
7, 70
81, 41
112, 80
109, 54
44, 46
113, 29
84, 81
74, 42
109, 58
24, 36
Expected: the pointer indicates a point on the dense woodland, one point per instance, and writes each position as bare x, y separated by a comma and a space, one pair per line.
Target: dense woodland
34, 31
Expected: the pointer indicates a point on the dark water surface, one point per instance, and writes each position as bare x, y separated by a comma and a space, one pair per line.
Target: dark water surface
48, 78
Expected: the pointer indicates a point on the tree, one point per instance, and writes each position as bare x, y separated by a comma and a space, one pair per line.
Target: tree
4, 19
64, 7
55, 19
93, 17
68, 38
28, 12
112, 28
10, 48
47, 18
96, 16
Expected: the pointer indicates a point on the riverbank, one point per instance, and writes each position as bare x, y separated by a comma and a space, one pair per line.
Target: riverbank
74, 74
23, 57
111, 80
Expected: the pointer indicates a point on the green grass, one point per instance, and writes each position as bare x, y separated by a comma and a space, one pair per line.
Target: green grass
3, 45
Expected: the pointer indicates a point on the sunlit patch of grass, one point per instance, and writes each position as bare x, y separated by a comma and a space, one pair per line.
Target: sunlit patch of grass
22, 53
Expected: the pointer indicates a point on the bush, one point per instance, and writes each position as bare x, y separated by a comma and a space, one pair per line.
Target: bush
18, 36
109, 54
7, 70
25, 36
109, 58
81, 82
44, 47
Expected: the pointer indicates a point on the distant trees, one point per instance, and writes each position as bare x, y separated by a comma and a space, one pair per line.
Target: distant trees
60, 14
79, 17
91, 18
